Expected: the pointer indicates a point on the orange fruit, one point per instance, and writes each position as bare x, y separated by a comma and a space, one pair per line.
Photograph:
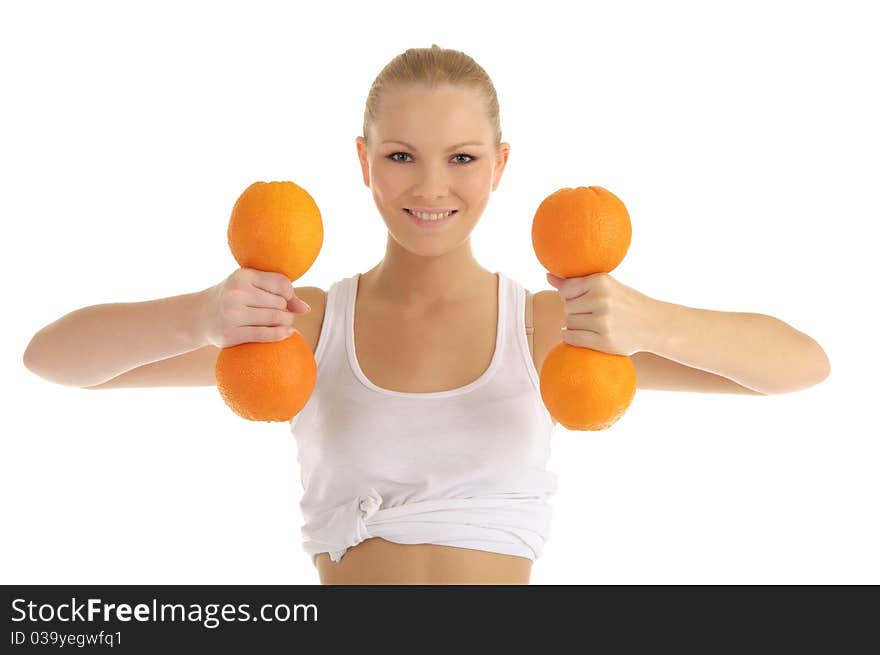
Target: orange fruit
267, 380
580, 231
276, 226
585, 389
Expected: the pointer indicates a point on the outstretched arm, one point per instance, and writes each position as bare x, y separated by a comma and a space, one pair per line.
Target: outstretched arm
756, 351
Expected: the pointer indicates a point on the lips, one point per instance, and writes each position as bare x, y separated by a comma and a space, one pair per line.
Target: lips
431, 224
435, 211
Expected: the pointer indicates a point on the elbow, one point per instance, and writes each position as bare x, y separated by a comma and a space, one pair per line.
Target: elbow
822, 363
34, 359
32, 362
827, 366
29, 358
816, 369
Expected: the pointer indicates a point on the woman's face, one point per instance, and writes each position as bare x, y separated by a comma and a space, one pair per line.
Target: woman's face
415, 160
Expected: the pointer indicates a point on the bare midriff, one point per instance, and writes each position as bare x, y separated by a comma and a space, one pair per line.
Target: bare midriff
376, 561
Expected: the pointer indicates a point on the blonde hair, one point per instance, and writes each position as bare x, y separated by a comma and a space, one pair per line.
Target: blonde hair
433, 67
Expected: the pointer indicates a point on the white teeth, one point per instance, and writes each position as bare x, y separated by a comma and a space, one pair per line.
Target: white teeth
429, 217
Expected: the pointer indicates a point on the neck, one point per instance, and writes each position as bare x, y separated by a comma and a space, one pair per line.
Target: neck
420, 283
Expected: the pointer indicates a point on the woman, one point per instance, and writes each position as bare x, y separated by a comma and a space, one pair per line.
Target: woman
423, 446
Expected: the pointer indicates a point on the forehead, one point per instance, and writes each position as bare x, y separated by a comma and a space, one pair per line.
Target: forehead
429, 115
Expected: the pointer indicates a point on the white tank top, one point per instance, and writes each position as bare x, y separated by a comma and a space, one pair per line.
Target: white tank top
464, 467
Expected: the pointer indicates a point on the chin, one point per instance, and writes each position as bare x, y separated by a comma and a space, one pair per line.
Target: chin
430, 246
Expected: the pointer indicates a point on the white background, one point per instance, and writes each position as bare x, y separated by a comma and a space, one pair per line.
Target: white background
743, 138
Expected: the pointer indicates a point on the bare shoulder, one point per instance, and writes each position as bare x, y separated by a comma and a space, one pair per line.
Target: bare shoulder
309, 324
549, 319
196, 367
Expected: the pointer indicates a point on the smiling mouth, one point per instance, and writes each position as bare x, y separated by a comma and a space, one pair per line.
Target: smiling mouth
448, 214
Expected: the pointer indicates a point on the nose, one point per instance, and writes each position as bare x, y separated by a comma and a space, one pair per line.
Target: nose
432, 181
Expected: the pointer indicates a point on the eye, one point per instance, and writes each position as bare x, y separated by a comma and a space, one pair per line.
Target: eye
406, 154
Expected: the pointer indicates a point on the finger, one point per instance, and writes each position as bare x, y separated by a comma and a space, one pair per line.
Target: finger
298, 305
261, 298
248, 334
263, 316
574, 287
583, 322
582, 338
277, 283
584, 304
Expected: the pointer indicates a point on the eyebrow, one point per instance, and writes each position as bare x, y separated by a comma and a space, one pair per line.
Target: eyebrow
457, 145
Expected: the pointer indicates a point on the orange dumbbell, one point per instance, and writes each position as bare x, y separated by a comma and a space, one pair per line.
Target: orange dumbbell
578, 232
275, 226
